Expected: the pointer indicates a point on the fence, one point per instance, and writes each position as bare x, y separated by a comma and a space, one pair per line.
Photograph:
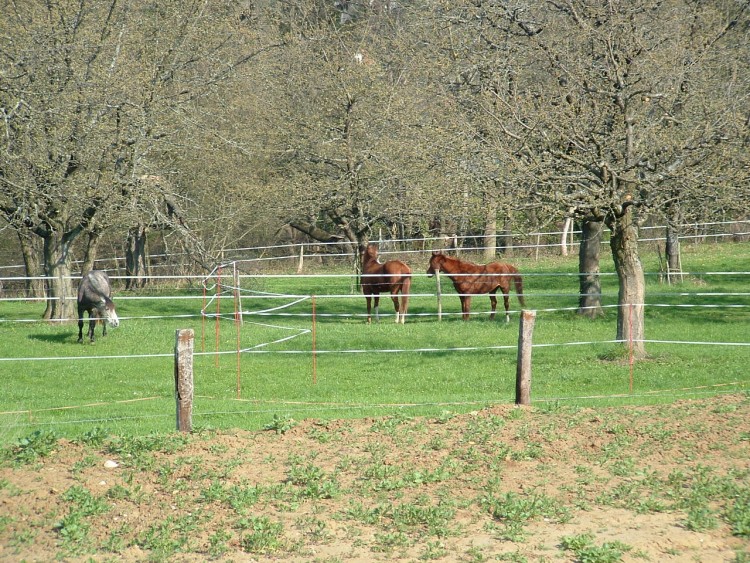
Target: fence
289, 256
724, 311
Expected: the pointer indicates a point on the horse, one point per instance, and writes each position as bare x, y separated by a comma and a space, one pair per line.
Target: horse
473, 279
377, 277
95, 297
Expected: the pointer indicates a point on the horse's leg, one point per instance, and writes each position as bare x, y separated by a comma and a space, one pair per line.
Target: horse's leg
394, 298
465, 306
493, 303
369, 305
377, 307
92, 326
80, 326
405, 290
104, 327
506, 302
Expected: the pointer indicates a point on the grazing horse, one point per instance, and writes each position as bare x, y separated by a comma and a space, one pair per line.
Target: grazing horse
95, 297
472, 279
377, 277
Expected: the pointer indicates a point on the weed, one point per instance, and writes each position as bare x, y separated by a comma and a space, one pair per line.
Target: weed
260, 535
115, 543
86, 504
583, 547
27, 450
217, 543
74, 530
433, 550
138, 445
738, 515
161, 539
313, 481
80, 465
434, 518
215, 492
388, 541
241, 497
513, 511
94, 437
700, 519
10, 488
314, 528
280, 425
444, 417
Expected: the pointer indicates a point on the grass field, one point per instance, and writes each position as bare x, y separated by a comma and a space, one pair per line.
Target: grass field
123, 383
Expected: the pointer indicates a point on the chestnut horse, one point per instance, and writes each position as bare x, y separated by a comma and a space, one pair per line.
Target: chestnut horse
472, 279
392, 276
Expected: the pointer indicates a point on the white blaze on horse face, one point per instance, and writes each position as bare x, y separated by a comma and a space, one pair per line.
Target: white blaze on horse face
108, 312
112, 318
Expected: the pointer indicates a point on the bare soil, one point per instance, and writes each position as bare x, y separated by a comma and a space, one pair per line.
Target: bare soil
658, 483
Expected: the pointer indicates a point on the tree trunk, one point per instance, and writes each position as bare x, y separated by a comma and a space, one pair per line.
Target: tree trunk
136, 266
89, 256
490, 228
631, 297
61, 299
32, 261
590, 298
507, 237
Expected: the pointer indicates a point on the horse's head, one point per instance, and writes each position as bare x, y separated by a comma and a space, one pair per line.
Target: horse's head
108, 313
436, 263
368, 251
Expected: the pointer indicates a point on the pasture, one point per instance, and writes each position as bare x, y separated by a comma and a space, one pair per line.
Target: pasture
123, 383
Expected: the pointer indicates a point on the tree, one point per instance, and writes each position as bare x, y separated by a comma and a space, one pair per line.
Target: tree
354, 155
606, 145
89, 95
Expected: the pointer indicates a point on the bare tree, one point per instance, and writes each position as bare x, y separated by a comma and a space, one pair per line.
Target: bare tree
88, 99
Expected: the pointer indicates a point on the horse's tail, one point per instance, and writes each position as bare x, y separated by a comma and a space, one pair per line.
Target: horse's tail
518, 281
405, 290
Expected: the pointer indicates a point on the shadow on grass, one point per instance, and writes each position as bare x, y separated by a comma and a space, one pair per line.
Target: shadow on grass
61, 337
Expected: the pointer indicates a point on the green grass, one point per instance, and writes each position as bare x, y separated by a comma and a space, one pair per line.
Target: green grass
123, 383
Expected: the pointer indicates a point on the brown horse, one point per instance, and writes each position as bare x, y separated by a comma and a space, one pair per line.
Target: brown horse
472, 279
393, 276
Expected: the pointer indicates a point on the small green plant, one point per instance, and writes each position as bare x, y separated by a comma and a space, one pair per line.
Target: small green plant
434, 519
138, 445
513, 511
280, 425
582, 545
433, 550
94, 437
217, 543
27, 450
388, 541
313, 481
241, 497
84, 502
738, 514
260, 535
700, 519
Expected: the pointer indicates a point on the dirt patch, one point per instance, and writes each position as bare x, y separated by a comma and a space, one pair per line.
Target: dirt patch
666, 483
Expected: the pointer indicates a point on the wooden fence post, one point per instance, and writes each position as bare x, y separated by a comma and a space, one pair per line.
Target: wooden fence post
183, 378
523, 366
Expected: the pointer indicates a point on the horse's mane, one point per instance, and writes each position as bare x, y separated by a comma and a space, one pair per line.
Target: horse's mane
461, 264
